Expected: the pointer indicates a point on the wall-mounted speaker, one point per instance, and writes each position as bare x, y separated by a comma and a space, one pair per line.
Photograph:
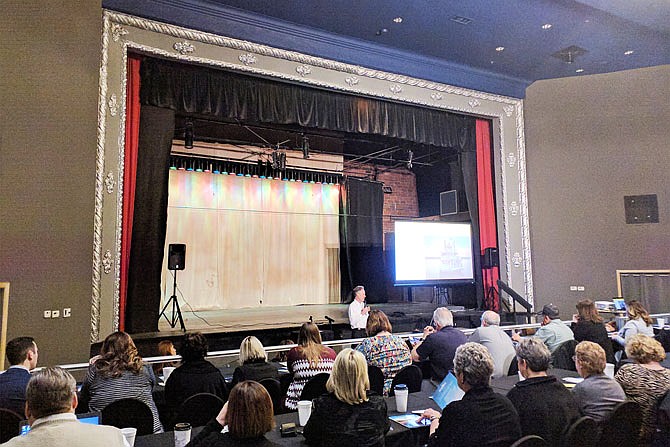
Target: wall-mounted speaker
641, 209
448, 202
490, 258
176, 256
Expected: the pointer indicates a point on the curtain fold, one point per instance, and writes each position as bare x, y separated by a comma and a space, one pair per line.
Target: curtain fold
132, 133
488, 228
208, 92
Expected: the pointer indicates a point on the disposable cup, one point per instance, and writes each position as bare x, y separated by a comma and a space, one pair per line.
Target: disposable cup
304, 411
660, 321
609, 370
167, 370
401, 392
129, 433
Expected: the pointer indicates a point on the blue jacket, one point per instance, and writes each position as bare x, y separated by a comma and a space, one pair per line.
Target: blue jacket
13, 384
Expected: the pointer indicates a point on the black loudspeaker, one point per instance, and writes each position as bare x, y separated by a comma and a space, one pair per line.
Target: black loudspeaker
176, 256
490, 258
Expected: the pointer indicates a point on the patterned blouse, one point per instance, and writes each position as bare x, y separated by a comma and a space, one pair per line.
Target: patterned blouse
299, 366
644, 386
389, 353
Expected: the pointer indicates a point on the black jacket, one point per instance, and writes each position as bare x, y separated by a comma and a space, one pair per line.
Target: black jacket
335, 423
211, 436
595, 332
255, 370
198, 376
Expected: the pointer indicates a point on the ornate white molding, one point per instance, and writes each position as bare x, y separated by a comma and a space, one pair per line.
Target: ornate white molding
110, 182
113, 105
107, 262
511, 159
177, 43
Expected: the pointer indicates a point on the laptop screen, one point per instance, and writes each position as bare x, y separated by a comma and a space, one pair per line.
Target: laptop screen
619, 303
87, 418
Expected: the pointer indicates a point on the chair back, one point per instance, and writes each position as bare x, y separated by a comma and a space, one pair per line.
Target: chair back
582, 433
199, 409
273, 388
376, 377
9, 424
124, 413
530, 441
623, 425
411, 376
662, 435
315, 387
562, 356
513, 367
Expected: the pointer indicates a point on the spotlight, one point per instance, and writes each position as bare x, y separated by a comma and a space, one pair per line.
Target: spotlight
409, 159
188, 135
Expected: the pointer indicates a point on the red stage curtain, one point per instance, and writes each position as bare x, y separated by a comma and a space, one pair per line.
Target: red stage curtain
129, 175
488, 236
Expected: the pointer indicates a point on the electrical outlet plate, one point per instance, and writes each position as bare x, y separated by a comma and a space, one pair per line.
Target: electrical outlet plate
580, 288
47, 314
573, 288
67, 312
55, 313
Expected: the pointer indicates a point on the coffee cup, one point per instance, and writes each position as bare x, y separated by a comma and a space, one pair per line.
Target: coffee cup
401, 392
660, 321
167, 370
304, 411
129, 433
609, 370
182, 434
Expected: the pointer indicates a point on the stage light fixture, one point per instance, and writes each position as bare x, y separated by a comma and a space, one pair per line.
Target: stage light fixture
305, 147
188, 135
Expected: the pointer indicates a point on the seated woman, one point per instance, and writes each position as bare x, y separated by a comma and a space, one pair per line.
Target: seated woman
195, 375
165, 347
305, 361
382, 349
597, 394
119, 373
587, 325
243, 421
644, 381
481, 417
253, 362
639, 322
348, 416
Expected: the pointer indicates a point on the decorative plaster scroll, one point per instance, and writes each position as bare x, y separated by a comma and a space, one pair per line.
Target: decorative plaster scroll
303, 70
508, 109
511, 159
395, 88
474, 103
514, 208
351, 80
109, 182
118, 31
435, 96
113, 105
516, 260
107, 262
247, 59
183, 47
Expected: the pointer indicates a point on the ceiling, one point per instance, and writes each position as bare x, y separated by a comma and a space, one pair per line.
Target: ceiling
606, 29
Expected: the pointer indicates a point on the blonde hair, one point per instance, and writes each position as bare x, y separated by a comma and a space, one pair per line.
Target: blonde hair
636, 311
644, 349
252, 349
349, 379
591, 358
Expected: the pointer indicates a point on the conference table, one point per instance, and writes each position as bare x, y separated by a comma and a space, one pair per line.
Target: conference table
398, 435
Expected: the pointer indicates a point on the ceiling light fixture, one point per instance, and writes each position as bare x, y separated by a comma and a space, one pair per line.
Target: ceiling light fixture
461, 20
628, 52
397, 20
381, 31
499, 49
579, 70
547, 26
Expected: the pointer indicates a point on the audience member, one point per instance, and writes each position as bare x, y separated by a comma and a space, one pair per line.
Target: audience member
243, 421
305, 361
119, 373
639, 322
349, 415
22, 355
644, 381
553, 331
439, 344
165, 347
546, 408
51, 399
587, 325
253, 362
282, 356
598, 394
498, 343
358, 312
461, 422
195, 375
382, 349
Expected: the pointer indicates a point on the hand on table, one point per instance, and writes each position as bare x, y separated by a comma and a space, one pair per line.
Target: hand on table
515, 336
431, 414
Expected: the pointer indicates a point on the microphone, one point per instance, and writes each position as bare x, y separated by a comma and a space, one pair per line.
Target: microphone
330, 320
310, 319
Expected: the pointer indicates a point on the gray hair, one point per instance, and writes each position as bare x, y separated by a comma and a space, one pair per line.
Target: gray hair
491, 318
535, 353
475, 363
50, 391
443, 317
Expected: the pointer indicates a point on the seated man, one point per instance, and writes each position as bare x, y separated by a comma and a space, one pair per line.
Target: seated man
498, 343
481, 417
22, 356
598, 394
51, 398
439, 344
553, 331
546, 408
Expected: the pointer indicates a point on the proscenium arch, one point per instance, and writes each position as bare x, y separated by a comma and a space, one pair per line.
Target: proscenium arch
122, 33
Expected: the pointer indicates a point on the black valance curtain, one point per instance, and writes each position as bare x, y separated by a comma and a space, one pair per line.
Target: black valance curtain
189, 89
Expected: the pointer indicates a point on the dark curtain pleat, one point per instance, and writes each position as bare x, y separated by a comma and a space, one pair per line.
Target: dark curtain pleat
189, 89
150, 217
469, 168
361, 236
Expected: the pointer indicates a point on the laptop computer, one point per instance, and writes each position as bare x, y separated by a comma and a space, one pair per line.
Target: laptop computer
92, 417
619, 304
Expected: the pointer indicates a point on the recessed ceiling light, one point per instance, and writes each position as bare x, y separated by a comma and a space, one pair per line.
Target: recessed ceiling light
499, 49
381, 31
547, 26
397, 20
579, 70
629, 52
587, 21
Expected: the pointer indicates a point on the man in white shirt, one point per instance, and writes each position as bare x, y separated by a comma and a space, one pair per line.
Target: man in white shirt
358, 313
51, 398
496, 341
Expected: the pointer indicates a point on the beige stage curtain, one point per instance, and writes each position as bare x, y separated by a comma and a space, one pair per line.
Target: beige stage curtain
252, 242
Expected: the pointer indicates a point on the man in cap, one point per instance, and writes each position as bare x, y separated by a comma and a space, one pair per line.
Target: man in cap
553, 331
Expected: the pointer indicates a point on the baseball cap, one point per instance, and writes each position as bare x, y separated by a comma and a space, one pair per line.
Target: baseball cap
550, 310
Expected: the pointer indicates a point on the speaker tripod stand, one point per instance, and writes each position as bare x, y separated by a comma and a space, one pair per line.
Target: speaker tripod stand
490, 296
176, 312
